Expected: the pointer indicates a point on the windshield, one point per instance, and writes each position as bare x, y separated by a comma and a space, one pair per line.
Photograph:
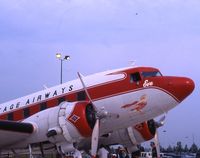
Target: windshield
151, 74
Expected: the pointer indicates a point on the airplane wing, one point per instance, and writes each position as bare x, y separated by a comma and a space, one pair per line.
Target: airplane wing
12, 132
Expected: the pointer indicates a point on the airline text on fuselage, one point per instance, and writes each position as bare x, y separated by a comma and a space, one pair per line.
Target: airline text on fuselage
34, 99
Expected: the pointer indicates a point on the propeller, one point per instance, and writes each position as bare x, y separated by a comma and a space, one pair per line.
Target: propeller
158, 124
100, 114
95, 132
80, 76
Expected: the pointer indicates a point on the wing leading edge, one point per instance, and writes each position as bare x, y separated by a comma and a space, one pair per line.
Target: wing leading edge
12, 132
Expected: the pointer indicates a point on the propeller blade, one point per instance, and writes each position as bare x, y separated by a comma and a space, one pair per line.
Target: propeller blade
161, 122
100, 114
162, 119
95, 139
157, 144
95, 132
85, 89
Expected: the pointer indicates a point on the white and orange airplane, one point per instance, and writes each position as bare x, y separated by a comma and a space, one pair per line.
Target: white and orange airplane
111, 107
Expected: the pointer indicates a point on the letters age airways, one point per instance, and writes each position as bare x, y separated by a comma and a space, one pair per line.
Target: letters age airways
40, 97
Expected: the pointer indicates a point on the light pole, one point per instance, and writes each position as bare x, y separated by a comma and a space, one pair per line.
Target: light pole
59, 56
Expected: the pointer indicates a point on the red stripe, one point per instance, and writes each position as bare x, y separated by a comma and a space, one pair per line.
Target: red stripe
102, 91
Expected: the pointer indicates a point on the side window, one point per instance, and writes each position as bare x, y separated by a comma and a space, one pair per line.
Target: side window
26, 112
43, 106
60, 100
135, 77
81, 96
151, 74
10, 116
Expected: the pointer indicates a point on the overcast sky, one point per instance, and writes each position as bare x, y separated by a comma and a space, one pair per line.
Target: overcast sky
101, 35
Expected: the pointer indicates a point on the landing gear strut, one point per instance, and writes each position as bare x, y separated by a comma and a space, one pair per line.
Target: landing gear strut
42, 150
30, 151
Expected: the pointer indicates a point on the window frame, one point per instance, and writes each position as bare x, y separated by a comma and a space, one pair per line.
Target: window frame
43, 106
81, 96
26, 112
10, 116
147, 74
135, 77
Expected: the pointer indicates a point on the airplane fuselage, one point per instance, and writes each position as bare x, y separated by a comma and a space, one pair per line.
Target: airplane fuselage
135, 95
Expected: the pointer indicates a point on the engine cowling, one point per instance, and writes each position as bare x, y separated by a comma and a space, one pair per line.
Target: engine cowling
75, 121
82, 118
144, 131
131, 136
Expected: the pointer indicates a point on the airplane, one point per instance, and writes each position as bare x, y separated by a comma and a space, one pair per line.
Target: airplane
111, 107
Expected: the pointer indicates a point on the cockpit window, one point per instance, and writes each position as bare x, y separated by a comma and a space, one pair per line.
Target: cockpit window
151, 74
135, 77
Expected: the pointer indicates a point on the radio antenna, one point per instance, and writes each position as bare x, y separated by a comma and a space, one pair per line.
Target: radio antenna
132, 63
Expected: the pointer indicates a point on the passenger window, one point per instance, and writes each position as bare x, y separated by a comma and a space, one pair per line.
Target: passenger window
135, 77
43, 106
81, 96
60, 100
26, 112
10, 116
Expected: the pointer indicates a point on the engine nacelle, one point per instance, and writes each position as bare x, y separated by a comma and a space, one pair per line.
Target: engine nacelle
144, 131
131, 136
76, 120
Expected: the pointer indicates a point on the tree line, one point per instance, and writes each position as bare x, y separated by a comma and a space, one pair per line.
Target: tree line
179, 148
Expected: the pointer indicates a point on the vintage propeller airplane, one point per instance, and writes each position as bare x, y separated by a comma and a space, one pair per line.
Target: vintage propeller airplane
111, 107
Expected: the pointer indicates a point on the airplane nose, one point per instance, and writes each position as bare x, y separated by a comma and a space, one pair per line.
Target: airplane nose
181, 87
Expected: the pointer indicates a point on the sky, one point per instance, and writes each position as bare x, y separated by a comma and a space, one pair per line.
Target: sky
101, 35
